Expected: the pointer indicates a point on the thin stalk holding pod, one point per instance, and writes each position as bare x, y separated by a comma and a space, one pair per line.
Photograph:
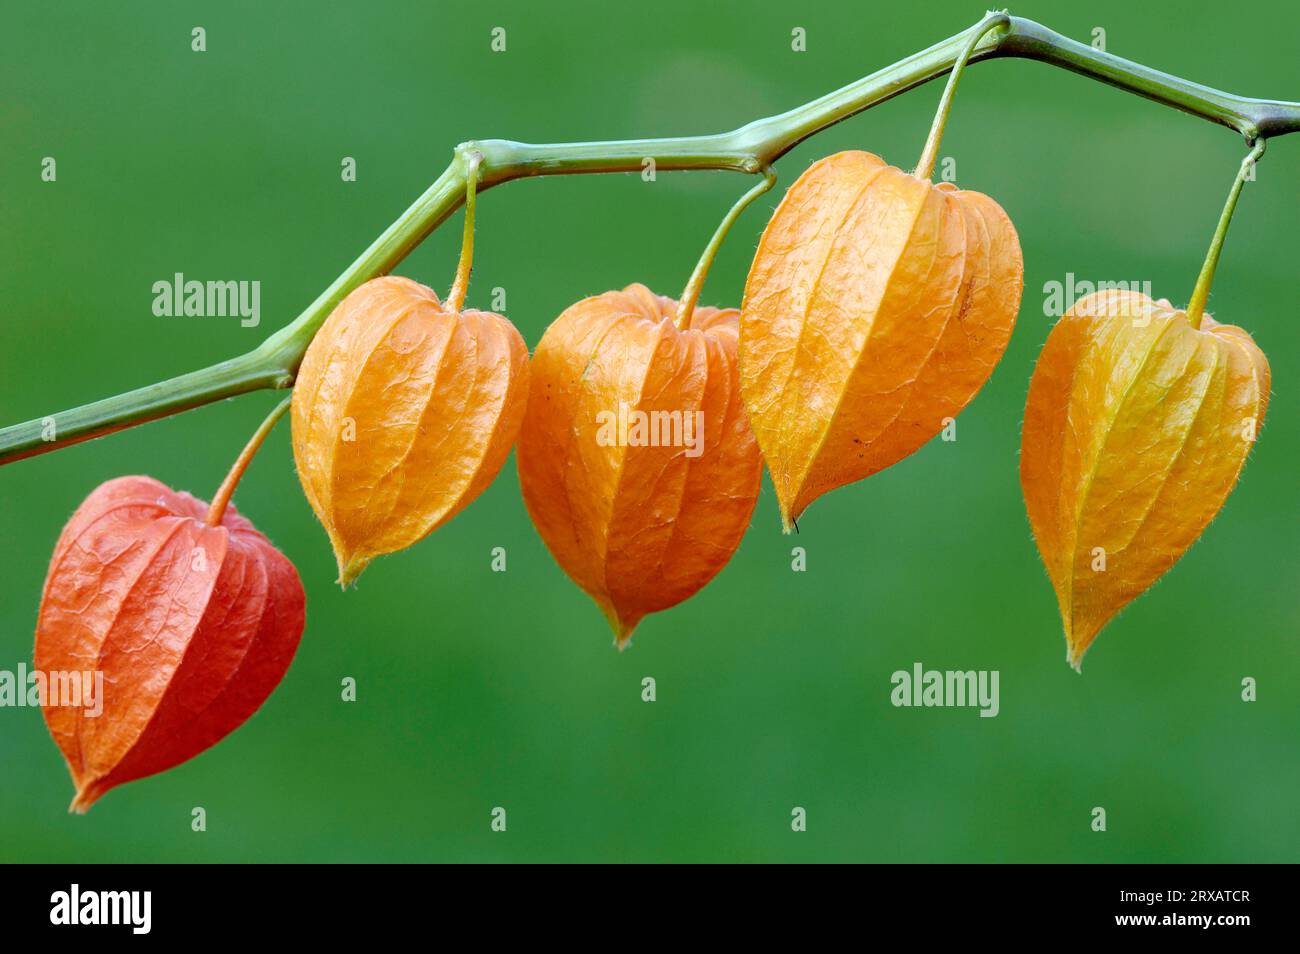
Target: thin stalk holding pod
1201, 293
691, 294
931, 151
456, 297
217, 510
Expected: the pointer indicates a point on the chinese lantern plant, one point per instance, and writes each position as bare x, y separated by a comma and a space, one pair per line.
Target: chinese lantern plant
404, 410
640, 523
190, 614
1138, 423
877, 304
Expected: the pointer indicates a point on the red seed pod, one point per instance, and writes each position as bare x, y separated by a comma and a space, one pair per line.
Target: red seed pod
192, 625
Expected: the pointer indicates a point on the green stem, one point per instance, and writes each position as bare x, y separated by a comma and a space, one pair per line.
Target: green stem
456, 297
249, 372
1201, 293
749, 149
686, 307
221, 500
931, 151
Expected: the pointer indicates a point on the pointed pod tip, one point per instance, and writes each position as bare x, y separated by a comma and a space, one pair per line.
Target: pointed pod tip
787, 501
350, 567
622, 628
623, 633
86, 796
1074, 655
1079, 638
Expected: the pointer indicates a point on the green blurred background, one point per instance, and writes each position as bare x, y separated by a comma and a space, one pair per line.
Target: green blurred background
480, 689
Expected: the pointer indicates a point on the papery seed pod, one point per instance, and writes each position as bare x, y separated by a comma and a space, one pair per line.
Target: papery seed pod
1136, 428
403, 413
192, 626
638, 521
877, 306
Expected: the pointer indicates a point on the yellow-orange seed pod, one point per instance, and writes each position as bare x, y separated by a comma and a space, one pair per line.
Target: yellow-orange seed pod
403, 412
876, 307
1136, 429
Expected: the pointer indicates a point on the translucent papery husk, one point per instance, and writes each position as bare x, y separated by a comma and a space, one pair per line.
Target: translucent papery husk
639, 523
876, 307
191, 627
1136, 428
403, 413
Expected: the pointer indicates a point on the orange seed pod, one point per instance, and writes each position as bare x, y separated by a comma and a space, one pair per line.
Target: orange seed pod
635, 459
403, 412
1136, 428
876, 307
